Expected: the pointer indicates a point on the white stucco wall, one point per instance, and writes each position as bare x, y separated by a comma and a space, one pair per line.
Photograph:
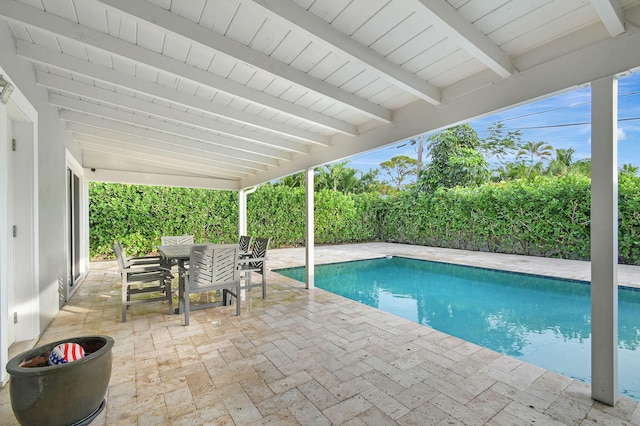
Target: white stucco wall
46, 203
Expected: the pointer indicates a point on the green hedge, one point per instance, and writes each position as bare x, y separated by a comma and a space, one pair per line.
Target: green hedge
541, 217
139, 215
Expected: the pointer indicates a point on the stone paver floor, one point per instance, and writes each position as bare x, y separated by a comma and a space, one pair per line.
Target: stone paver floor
310, 357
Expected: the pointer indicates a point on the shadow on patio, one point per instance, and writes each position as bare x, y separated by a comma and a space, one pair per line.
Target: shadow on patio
311, 357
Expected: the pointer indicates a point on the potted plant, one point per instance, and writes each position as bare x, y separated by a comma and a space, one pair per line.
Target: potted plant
64, 394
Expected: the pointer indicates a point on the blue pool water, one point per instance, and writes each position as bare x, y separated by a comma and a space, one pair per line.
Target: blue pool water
540, 320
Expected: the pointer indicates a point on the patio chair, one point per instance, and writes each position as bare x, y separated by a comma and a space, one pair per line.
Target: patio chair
256, 261
174, 240
245, 243
141, 279
135, 260
212, 267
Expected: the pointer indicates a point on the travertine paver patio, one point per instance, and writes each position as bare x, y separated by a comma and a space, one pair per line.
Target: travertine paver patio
311, 357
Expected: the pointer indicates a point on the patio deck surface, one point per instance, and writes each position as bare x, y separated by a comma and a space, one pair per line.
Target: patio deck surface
311, 357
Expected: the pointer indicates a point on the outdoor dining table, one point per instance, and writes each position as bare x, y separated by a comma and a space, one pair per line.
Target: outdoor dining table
181, 254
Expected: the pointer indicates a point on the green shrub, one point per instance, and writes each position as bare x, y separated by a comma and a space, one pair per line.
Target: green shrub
139, 215
544, 216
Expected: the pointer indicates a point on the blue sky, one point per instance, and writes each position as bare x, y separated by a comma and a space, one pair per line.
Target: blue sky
563, 121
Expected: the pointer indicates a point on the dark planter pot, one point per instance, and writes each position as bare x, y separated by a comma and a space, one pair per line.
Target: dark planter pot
64, 394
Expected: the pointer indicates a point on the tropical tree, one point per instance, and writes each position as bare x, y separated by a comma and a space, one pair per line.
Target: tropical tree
533, 151
500, 144
398, 169
455, 160
582, 167
295, 180
561, 164
629, 169
368, 182
336, 177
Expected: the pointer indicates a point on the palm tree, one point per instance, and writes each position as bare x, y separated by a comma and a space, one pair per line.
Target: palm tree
629, 169
337, 177
535, 150
295, 180
563, 161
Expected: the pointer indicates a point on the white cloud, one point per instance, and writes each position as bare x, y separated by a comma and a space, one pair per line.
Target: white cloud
621, 134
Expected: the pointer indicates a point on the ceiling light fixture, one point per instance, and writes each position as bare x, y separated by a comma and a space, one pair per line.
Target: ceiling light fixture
6, 89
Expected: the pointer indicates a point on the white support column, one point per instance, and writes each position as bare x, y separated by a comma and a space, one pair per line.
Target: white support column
604, 240
310, 262
242, 212
242, 209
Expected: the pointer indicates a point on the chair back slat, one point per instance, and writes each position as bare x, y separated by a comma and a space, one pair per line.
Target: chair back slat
176, 240
213, 265
260, 246
245, 242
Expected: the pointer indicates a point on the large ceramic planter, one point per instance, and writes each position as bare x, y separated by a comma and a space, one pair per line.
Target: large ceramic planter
64, 394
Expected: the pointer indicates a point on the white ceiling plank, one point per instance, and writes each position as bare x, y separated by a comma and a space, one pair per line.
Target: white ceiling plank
97, 56
611, 15
290, 47
101, 157
164, 126
134, 178
199, 57
327, 10
418, 47
94, 17
245, 25
192, 9
198, 34
162, 163
217, 15
176, 160
167, 150
396, 37
443, 15
174, 64
536, 37
232, 157
149, 36
63, 8
312, 55
174, 47
308, 23
356, 14
387, 18
152, 90
476, 9
154, 147
269, 37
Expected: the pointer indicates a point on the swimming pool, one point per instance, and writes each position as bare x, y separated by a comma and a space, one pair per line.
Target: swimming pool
540, 320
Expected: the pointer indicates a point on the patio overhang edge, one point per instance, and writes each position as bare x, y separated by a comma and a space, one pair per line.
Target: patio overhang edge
137, 178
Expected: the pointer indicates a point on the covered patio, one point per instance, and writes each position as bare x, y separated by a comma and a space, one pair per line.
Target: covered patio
311, 357
231, 94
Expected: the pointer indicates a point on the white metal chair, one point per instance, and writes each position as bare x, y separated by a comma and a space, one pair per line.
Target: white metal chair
140, 279
212, 267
